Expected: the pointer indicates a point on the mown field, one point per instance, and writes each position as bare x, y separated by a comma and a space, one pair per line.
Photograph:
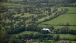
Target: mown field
68, 17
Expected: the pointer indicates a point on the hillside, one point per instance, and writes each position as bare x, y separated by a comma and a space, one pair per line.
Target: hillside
25, 19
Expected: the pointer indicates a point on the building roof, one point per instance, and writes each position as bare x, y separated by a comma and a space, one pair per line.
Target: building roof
46, 29
28, 41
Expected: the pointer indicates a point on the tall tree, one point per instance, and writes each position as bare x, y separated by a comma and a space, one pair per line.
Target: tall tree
3, 36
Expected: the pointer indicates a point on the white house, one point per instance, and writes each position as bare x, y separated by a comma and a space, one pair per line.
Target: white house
46, 30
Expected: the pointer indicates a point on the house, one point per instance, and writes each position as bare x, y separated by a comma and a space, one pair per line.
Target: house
63, 41
28, 41
45, 30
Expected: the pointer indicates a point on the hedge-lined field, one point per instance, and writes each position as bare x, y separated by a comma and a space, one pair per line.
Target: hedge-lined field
67, 36
71, 9
69, 17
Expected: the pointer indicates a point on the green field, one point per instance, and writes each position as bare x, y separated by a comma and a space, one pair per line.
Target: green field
27, 32
73, 41
62, 36
71, 9
14, 0
66, 18
70, 27
63, 19
9, 4
67, 36
58, 27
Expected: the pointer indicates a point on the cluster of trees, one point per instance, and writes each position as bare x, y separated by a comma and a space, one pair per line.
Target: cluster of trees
21, 38
57, 13
48, 2
3, 9
65, 30
40, 2
41, 37
4, 37
11, 28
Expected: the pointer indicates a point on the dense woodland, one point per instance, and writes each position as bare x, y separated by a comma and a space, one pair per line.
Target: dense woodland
13, 20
